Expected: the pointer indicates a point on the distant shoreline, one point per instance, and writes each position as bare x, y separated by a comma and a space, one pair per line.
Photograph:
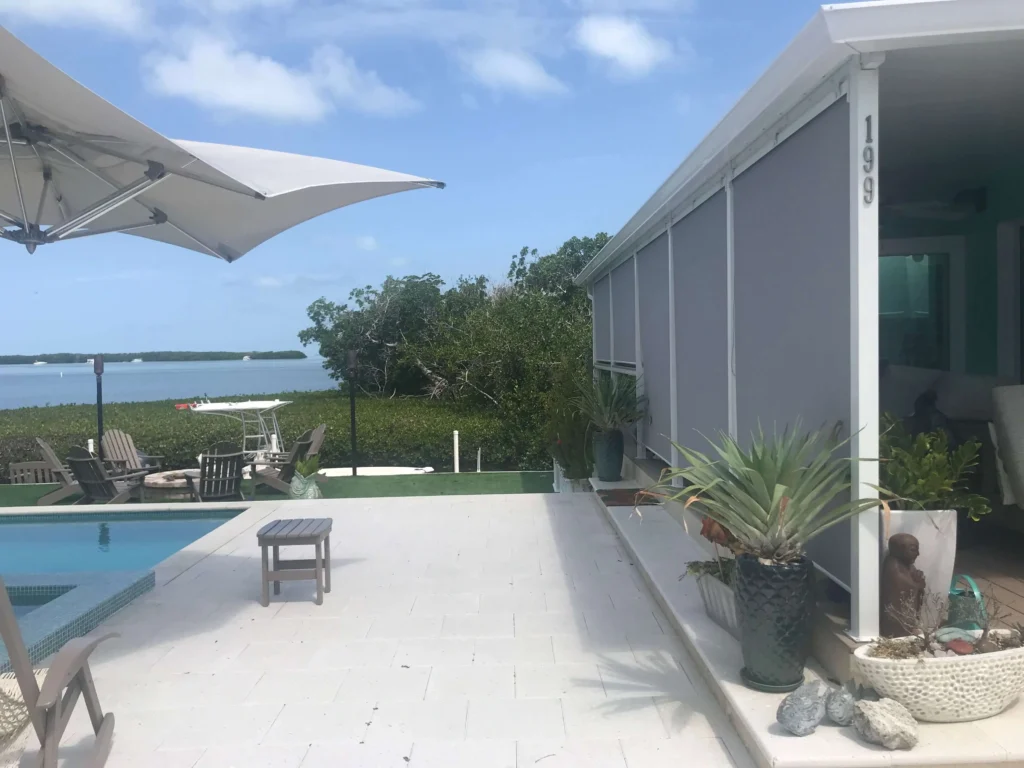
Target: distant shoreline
65, 358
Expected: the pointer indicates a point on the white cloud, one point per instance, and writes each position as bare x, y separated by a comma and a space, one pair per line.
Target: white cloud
399, 261
624, 42
217, 74
359, 90
239, 6
367, 243
127, 16
506, 70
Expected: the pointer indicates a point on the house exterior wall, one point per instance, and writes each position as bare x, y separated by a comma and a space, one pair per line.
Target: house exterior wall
700, 277
792, 293
623, 314
653, 284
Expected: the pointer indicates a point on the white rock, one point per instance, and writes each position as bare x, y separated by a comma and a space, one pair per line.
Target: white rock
885, 722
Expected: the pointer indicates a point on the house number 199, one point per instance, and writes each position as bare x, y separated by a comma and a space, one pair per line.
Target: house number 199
868, 155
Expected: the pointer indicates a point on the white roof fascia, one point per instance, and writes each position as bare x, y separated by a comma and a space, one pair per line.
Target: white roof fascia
835, 33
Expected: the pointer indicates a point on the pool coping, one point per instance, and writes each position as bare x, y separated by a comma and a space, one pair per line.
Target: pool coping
87, 600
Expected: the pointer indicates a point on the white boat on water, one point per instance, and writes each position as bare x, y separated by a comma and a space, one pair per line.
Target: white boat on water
39, 362
90, 360
246, 359
137, 360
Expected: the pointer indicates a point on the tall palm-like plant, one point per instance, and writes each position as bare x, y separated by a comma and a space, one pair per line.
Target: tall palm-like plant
610, 402
775, 496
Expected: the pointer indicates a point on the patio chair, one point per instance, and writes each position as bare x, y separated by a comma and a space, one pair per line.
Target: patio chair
278, 472
316, 441
48, 705
220, 474
119, 448
49, 470
96, 483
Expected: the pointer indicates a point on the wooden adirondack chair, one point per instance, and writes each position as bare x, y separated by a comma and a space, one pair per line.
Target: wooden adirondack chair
220, 474
278, 472
119, 448
96, 483
48, 707
316, 441
49, 470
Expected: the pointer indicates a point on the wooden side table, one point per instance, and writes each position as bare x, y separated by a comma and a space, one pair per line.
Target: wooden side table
292, 533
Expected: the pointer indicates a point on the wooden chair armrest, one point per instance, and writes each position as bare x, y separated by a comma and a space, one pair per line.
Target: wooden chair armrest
68, 661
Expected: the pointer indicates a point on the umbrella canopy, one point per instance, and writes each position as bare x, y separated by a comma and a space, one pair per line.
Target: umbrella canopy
73, 165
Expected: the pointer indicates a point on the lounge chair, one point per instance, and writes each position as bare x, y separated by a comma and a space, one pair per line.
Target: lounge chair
220, 474
97, 484
119, 449
49, 706
49, 470
278, 471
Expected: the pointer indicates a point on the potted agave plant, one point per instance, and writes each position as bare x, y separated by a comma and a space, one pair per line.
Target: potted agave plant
611, 404
927, 484
774, 497
568, 433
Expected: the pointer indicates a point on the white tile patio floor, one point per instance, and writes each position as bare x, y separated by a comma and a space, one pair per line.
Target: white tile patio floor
491, 632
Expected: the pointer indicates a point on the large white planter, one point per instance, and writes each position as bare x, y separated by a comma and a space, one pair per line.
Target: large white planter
720, 604
936, 533
562, 484
948, 690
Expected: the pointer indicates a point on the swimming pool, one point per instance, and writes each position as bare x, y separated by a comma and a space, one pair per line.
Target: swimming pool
83, 542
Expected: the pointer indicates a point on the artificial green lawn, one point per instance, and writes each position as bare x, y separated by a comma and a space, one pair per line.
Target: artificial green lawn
436, 484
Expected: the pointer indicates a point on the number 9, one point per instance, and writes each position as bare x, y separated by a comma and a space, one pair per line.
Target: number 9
869, 159
869, 190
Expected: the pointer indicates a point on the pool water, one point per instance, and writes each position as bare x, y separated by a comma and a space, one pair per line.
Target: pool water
97, 543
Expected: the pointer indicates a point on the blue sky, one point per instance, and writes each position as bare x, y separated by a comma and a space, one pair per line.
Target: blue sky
547, 119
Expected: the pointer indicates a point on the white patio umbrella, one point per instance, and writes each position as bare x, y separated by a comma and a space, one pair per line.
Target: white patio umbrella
73, 165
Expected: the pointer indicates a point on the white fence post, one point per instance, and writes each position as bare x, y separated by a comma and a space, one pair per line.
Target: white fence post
456, 451
479, 453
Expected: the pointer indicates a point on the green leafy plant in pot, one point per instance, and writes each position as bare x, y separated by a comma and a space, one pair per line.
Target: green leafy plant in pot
774, 497
928, 485
611, 404
304, 482
567, 428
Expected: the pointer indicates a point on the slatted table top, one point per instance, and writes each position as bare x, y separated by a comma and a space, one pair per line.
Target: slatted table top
288, 530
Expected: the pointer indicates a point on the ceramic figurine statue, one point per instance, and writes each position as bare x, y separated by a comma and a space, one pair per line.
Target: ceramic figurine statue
901, 583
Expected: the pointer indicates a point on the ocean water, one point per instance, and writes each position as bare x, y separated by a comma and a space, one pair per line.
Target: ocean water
27, 385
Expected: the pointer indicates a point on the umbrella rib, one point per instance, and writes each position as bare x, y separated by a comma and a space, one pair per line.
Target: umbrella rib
58, 196
71, 155
66, 139
14, 162
110, 203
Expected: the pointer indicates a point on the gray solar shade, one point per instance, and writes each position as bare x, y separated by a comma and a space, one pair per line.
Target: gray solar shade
699, 254
652, 271
623, 315
602, 321
792, 292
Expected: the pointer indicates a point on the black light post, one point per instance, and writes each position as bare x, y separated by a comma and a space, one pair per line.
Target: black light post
352, 405
97, 367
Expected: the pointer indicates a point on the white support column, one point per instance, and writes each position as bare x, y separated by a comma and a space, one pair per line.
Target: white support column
673, 373
730, 302
611, 319
864, 177
641, 448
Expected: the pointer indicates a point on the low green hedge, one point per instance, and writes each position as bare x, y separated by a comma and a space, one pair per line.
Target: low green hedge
390, 432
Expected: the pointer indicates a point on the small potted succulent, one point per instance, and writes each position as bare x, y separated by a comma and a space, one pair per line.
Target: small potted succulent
945, 674
304, 481
926, 483
773, 497
612, 405
715, 578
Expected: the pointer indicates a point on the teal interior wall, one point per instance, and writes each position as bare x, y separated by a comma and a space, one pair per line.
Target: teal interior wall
1005, 202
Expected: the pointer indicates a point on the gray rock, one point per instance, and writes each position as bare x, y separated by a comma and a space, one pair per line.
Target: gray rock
839, 706
801, 711
885, 722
